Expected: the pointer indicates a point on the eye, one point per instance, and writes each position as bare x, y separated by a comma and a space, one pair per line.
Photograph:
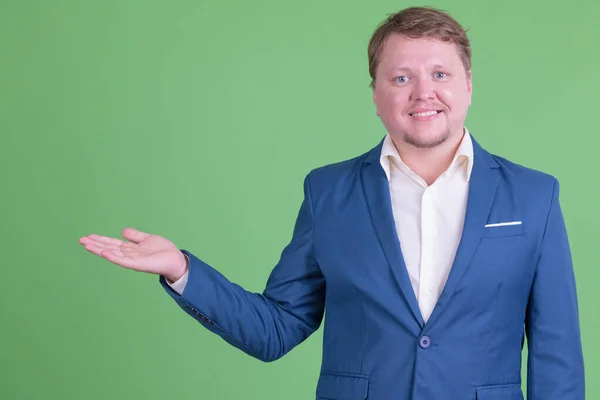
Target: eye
440, 75
401, 79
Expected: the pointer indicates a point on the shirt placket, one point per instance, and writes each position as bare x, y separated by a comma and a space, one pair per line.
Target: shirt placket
426, 297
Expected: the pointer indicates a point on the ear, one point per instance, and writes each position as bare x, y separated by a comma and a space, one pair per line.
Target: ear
470, 85
375, 99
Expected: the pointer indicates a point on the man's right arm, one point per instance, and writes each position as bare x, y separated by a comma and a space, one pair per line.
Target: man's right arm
264, 325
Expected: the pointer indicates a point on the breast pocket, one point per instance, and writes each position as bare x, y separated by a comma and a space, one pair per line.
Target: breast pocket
504, 255
334, 386
501, 230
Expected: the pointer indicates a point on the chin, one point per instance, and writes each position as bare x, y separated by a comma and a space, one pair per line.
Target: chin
426, 141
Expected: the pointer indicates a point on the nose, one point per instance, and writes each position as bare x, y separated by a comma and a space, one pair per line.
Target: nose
423, 90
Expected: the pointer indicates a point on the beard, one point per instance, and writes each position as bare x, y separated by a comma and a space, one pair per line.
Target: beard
427, 143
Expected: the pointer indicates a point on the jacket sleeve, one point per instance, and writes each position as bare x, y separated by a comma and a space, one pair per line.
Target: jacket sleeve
555, 369
264, 325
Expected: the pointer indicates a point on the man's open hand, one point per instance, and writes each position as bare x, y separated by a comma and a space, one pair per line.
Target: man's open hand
143, 252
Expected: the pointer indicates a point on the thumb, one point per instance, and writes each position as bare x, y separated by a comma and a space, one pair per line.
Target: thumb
134, 235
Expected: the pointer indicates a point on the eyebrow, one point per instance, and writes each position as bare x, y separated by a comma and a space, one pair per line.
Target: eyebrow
435, 66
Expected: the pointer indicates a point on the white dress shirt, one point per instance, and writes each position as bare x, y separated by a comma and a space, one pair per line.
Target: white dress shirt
180, 284
428, 218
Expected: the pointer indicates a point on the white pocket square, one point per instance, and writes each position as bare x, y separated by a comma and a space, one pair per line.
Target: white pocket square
503, 224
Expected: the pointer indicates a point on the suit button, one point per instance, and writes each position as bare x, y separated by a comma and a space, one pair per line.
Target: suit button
203, 318
194, 311
425, 342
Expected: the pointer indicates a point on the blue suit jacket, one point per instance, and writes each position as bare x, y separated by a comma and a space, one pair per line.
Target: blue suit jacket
344, 257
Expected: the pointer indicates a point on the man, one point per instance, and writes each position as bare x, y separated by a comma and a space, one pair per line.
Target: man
433, 257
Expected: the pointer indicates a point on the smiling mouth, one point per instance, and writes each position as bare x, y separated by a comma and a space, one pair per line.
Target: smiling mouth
425, 113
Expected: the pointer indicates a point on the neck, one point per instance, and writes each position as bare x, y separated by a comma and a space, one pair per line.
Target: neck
429, 164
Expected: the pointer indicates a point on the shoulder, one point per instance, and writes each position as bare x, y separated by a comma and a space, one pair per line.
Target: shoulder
524, 177
516, 176
342, 173
526, 188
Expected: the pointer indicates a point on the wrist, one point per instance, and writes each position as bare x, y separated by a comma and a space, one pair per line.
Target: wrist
180, 271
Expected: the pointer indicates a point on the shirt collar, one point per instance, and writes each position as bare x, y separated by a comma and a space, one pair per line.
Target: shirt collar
389, 154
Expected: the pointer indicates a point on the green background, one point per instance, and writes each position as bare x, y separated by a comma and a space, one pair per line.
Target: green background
198, 121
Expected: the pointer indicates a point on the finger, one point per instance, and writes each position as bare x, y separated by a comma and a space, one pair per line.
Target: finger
100, 244
94, 249
101, 241
85, 239
107, 240
134, 235
98, 247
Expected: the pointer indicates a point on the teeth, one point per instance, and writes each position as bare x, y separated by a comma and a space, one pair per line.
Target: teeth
424, 114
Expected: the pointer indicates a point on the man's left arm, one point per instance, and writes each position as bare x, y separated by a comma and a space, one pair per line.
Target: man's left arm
555, 369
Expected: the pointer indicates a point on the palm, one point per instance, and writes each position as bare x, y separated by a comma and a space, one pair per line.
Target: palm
143, 252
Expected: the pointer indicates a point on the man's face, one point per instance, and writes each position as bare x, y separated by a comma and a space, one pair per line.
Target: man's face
422, 91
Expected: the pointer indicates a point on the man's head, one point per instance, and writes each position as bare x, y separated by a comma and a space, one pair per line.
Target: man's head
420, 66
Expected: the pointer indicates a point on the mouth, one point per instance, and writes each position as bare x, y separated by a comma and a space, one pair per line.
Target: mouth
425, 113
424, 116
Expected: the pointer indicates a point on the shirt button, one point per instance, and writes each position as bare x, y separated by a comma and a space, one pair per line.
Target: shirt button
428, 292
425, 342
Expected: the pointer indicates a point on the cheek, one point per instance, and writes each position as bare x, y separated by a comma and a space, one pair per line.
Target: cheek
446, 96
391, 102
457, 99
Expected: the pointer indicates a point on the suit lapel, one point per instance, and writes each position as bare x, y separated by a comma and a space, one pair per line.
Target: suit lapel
482, 188
376, 188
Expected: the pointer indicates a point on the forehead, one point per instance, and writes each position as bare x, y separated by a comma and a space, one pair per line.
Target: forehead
399, 52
